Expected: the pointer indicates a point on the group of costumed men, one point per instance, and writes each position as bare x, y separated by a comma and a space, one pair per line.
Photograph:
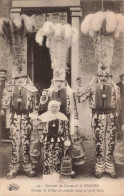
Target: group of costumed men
19, 95
58, 114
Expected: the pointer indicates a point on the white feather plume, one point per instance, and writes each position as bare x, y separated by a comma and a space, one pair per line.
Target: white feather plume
39, 36
17, 21
96, 21
48, 28
1, 25
58, 30
67, 31
29, 22
85, 25
111, 22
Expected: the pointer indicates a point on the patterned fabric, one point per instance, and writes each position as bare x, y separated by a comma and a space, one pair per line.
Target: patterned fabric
103, 51
104, 132
52, 157
53, 145
20, 130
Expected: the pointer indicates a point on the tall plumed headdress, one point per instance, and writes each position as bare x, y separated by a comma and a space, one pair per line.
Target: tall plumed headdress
59, 39
104, 27
14, 31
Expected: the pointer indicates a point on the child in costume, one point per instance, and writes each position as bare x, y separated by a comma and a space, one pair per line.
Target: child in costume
54, 134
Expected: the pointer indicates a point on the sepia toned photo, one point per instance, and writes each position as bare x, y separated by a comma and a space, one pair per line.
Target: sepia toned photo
62, 97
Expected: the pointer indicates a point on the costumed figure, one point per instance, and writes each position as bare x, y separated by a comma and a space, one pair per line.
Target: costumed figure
55, 133
59, 39
19, 95
104, 96
119, 147
121, 114
103, 93
2, 86
79, 88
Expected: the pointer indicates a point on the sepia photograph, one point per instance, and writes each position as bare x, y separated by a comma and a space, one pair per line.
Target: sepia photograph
62, 97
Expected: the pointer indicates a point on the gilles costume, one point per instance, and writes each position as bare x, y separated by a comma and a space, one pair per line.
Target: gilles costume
104, 101
55, 132
104, 95
19, 96
59, 39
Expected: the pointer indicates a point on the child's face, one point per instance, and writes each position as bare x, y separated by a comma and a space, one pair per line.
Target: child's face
54, 109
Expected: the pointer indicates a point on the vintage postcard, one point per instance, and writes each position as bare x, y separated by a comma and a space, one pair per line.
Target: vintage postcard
62, 97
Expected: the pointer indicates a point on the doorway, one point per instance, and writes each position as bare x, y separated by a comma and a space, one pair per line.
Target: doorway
39, 64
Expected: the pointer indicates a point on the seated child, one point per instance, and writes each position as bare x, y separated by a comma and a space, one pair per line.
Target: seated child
55, 132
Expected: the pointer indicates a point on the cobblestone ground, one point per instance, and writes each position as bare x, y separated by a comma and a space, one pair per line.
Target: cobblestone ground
84, 171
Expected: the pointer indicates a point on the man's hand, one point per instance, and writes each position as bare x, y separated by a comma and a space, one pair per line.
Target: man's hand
67, 143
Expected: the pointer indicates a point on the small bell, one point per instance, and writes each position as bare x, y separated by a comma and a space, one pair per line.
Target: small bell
53, 125
19, 100
15, 116
62, 138
45, 139
104, 95
67, 143
95, 116
111, 115
103, 117
22, 116
52, 140
58, 139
